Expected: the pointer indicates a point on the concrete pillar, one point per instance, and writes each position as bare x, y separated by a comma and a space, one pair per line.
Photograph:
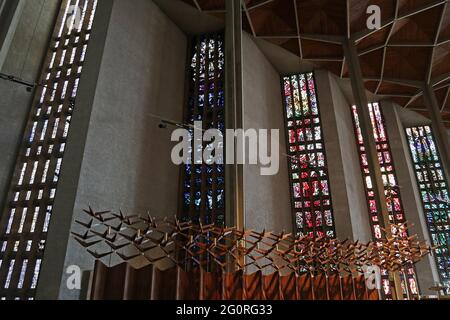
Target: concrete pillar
439, 129
347, 191
267, 198
412, 205
234, 116
359, 92
10, 12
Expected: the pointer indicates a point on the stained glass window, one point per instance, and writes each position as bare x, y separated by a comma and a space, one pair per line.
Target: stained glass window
309, 183
391, 189
434, 192
204, 184
25, 221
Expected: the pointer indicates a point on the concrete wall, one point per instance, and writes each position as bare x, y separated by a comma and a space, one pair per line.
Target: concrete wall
397, 119
23, 58
346, 184
126, 157
267, 198
10, 13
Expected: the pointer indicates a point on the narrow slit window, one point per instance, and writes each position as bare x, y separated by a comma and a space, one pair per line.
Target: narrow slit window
434, 193
309, 182
204, 184
391, 190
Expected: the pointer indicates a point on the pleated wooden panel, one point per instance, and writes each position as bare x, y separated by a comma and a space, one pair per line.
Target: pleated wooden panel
320, 287
123, 282
188, 285
253, 286
164, 286
334, 285
233, 286
348, 289
305, 287
360, 288
211, 287
138, 283
288, 287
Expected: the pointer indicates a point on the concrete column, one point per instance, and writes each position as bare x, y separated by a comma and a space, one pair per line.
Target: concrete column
234, 116
359, 92
346, 184
10, 12
412, 205
439, 129
267, 198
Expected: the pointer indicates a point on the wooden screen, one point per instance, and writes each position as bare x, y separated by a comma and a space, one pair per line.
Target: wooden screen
434, 193
307, 163
204, 183
25, 220
213, 261
392, 190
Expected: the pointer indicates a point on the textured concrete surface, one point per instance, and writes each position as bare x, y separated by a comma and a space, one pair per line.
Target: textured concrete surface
267, 197
10, 13
24, 57
349, 202
126, 158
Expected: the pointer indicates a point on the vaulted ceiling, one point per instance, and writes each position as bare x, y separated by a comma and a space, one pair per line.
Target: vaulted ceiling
411, 48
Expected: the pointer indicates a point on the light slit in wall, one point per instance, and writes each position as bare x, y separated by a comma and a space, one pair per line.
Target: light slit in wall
24, 224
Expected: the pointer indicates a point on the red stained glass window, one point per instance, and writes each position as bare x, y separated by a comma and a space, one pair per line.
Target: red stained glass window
391, 189
310, 190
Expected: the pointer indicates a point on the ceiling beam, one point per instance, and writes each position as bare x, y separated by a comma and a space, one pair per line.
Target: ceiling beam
349, 30
414, 98
259, 5
438, 80
371, 49
403, 82
197, 5
436, 39
418, 109
395, 45
396, 95
334, 59
411, 44
323, 38
333, 39
444, 103
215, 11
388, 38
343, 67
442, 86
297, 21
244, 6
443, 42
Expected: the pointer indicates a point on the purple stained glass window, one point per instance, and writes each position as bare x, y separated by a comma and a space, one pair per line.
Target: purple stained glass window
204, 184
